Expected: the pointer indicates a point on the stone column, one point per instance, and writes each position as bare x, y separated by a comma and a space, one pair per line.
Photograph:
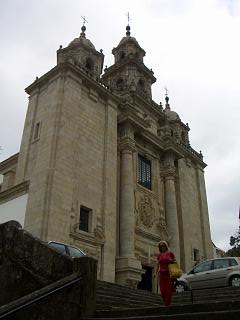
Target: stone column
171, 215
127, 218
128, 268
171, 207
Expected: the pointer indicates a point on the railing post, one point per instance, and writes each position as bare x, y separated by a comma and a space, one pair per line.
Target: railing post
86, 267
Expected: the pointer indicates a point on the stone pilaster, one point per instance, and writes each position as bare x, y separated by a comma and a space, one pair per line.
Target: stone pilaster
203, 207
168, 172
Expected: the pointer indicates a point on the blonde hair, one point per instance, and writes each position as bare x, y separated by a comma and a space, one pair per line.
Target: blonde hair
162, 242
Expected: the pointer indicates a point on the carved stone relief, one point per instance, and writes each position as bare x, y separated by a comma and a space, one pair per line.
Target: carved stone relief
98, 231
146, 211
162, 225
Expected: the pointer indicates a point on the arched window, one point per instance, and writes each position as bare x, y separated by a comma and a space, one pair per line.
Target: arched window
122, 55
141, 84
183, 137
120, 84
89, 64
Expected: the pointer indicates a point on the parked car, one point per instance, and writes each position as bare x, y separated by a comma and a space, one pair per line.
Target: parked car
212, 273
67, 249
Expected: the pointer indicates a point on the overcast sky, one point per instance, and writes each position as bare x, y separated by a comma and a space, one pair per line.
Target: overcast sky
193, 48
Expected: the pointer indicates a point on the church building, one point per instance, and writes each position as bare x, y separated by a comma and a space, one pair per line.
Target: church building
105, 168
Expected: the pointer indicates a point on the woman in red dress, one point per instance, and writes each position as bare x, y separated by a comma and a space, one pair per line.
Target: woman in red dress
165, 282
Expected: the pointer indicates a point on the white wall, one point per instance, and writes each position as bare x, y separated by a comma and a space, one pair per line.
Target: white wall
14, 210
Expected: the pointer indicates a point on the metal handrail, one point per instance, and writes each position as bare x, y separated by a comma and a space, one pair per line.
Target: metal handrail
26, 304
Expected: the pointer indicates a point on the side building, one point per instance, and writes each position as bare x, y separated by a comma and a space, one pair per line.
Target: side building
104, 167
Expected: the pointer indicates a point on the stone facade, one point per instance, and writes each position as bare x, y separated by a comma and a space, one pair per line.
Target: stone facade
99, 143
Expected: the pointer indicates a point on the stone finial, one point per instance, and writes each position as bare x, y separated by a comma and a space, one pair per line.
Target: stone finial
128, 30
82, 34
166, 97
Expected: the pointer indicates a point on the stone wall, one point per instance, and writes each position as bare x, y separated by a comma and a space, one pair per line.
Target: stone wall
28, 265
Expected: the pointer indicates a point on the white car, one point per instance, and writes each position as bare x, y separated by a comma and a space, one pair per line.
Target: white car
67, 249
211, 274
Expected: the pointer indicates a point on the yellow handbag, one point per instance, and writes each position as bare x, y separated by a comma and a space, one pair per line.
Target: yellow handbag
174, 270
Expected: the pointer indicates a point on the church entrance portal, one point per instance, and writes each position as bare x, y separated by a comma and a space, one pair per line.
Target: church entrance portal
146, 282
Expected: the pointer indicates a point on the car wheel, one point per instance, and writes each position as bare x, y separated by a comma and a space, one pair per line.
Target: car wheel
235, 281
180, 287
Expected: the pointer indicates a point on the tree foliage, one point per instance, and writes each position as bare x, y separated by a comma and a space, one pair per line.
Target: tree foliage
235, 244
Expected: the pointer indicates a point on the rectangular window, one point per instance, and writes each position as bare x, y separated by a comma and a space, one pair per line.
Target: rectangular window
144, 172
36, 131
84, 219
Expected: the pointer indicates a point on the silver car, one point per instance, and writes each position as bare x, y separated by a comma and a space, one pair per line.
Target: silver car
67, 249
211, 273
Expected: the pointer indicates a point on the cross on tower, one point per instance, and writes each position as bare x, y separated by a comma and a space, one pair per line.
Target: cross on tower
84, 20
128, 17
166, 91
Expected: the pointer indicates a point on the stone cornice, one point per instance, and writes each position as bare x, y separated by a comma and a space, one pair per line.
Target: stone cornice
129, 40
86, 238
14, 192
125, 62
150, 104
131, 117
71, 48
186, 151
7, 164
179, 150
147, 235
140, 125
62, 69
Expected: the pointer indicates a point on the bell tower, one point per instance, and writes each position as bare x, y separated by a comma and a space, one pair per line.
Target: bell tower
82, 53
128, 73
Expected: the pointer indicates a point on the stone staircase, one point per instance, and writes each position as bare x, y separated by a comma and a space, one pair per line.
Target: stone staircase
118, 302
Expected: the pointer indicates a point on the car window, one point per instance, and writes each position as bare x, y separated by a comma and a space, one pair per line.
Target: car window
74, 252
205, 266
60, 247
233, 262
220, 264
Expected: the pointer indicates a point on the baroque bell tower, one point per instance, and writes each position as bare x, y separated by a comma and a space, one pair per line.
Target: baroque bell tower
129, 74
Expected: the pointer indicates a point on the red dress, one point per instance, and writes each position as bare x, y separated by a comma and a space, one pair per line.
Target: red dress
165, 282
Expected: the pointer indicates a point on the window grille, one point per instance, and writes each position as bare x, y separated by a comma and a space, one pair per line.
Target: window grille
144, 172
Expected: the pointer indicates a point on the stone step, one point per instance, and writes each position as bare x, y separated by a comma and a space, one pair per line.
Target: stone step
111, 298
106, 286
215, 315
177, 309
137, 297
121, 302
118, 302
136, 293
